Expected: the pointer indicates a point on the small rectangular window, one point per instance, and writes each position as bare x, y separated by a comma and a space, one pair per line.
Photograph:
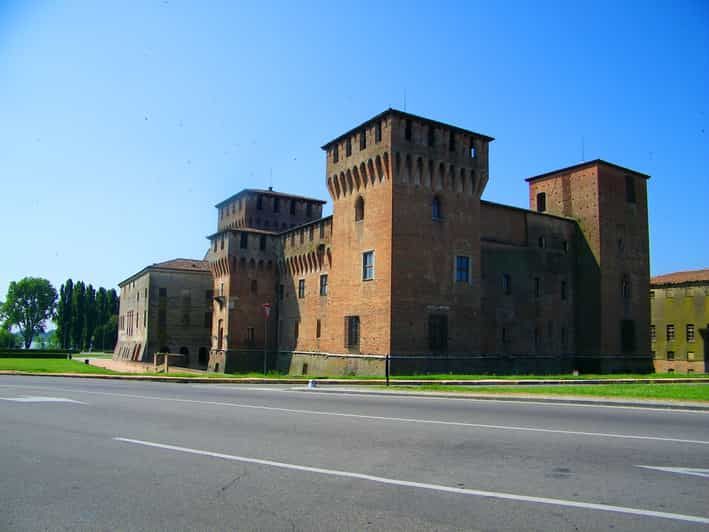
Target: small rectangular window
296, 330
506, 284
276, 204
653, 333
627, 336
670, 330
348, 147
259, 202
537, 287
281, 291
431, 140
244, 243
352, 331
378, 132
451, 142
309, 210
541, 202
363, 139
163, 292
301, 288
292, 207
407, 130
368, 265
670, 355
323, 285
250, 335
462, 269
690, 332
438, 332
629, 189
311, 232
262, 242
317, 329
322, 230
563, 290
335, 158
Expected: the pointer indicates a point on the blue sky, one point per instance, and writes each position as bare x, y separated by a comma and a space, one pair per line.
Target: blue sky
123, 123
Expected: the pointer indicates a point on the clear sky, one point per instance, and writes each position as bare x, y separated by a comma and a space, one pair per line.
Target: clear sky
123, 123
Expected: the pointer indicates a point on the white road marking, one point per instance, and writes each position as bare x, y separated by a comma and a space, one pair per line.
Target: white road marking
40, 399
433, 397
423, 485
681, 470
394, 419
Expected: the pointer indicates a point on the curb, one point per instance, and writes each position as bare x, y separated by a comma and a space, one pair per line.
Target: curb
568, 400
360, 382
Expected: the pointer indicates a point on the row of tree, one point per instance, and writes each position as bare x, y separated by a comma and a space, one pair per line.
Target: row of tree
86, 317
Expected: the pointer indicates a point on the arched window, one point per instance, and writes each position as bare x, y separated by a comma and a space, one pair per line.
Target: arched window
359, 209
625, 287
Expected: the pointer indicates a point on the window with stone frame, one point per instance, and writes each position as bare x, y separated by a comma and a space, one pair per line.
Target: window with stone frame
323, 285
690, 332
368, 265
301, 288
670, 332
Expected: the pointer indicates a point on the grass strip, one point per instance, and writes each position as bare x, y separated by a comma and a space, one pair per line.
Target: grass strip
678, 392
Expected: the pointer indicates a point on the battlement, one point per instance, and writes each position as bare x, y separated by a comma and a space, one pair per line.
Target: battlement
267, 210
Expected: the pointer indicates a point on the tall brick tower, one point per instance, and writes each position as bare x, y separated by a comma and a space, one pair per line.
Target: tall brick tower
609, 203
406, 217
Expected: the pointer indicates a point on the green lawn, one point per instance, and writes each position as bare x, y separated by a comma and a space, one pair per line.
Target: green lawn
49, 365
686, 392
566, 376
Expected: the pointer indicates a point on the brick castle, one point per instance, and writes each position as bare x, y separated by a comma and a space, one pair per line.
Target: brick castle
414, 270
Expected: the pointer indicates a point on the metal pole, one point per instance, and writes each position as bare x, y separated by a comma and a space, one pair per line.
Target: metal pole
386, 368
265, 342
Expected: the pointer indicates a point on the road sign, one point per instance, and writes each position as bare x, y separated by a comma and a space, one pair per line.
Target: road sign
266, 309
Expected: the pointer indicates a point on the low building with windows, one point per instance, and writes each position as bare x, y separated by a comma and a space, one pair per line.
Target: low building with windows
166, 307
414, 270
679, 330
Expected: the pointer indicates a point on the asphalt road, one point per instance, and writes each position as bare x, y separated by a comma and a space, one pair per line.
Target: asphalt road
81, 454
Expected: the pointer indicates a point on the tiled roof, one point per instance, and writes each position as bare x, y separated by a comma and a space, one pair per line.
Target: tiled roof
691, 276
183, 264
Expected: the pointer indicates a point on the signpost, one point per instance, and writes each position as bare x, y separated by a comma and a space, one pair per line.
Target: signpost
266, 313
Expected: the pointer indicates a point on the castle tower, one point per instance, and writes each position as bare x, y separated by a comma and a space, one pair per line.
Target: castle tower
609, 203
406, 241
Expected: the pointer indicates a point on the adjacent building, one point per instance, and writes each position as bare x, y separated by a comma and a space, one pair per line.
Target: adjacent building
679, 330
166, 307
414, 270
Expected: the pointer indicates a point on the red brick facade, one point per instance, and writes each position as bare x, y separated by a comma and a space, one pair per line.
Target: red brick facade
417, 266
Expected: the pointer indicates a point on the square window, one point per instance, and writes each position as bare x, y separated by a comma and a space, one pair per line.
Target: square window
462, 269
670, 355
301, 288
323, 285
368, 265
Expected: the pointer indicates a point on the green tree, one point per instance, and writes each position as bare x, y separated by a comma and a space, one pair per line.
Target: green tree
7, 337
89, 316
30, 303
78, 306
65, 314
